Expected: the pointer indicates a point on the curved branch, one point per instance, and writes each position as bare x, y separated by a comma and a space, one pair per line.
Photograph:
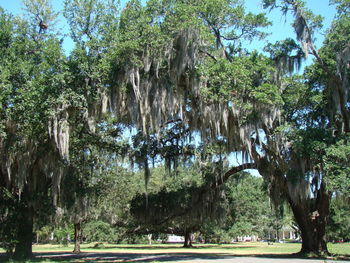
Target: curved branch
222, 179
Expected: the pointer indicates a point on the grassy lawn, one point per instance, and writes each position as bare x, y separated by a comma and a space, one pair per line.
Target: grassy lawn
241, 248
247, 248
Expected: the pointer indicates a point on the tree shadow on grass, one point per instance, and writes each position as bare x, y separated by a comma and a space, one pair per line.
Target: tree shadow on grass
155, 247
159, 257
332, 257
121, 257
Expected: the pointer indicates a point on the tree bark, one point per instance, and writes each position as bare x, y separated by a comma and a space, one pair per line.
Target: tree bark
77, 237
311, 214
188, 239
23, 248
312, 223
222, 180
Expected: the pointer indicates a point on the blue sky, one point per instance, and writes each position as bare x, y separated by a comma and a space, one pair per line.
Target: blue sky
281, 27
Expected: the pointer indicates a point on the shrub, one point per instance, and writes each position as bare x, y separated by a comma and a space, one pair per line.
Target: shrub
99, 231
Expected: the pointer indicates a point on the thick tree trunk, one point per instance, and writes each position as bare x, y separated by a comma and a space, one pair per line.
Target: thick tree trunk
311, 214
77, 237
312, 224
188, 239
23, 248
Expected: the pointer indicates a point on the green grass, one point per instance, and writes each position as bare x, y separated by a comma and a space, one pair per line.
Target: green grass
248, 248
339, 248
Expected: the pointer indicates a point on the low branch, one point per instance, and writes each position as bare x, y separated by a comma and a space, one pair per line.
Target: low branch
221, 180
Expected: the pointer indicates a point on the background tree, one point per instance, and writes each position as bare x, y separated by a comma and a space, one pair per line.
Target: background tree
338, 228
250, 212
41, 93
90, 32
33, 75
180, 211
249, 205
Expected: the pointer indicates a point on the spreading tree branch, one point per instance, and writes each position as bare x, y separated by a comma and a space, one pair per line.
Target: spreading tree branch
221, 180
